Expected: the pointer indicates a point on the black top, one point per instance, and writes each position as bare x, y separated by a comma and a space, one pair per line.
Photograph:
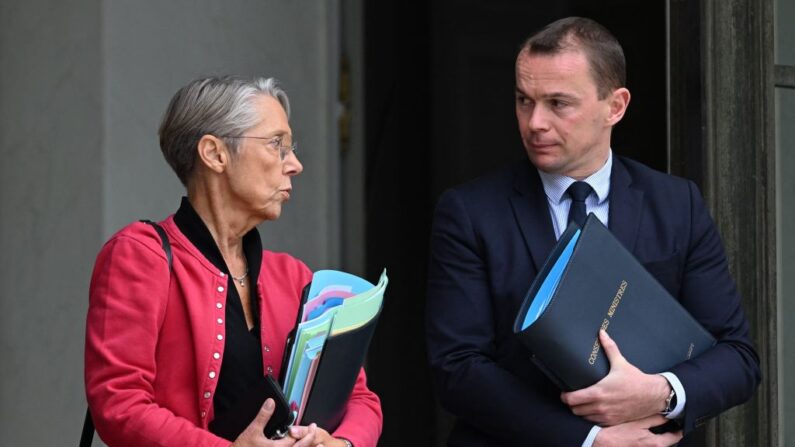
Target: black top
241, 367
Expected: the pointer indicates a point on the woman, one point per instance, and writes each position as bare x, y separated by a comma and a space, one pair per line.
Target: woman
167, 352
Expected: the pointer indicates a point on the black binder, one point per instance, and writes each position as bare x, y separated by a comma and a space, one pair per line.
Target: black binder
603, 285
343, 356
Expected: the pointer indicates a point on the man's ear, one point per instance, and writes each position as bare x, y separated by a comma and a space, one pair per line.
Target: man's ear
213, 153
618, 103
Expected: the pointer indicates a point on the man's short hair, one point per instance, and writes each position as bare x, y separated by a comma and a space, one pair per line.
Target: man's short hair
602, 50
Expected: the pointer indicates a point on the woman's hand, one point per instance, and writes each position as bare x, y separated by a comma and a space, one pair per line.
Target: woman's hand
254, 436
322, 437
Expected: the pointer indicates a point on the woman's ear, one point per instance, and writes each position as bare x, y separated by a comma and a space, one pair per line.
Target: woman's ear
213, 153
618, 103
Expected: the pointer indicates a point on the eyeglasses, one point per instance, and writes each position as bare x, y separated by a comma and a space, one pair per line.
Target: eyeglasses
273, 142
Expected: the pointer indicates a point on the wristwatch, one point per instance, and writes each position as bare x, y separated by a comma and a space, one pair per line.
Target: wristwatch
347, 443
670, 402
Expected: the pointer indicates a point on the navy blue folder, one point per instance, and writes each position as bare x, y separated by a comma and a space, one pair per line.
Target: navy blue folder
590, 281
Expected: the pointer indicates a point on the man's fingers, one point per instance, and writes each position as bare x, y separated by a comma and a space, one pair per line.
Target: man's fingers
595, 413
671, 438
592, 412
611, 349
590, 394
652, 421
580, 397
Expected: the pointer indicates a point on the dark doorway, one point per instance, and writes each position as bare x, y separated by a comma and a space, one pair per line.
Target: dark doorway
439, 107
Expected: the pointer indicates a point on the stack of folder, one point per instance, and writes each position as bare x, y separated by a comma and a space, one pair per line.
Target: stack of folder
327, 347
322, 358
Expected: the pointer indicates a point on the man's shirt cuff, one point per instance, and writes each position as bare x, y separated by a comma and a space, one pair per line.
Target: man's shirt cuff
591, 436
680, 395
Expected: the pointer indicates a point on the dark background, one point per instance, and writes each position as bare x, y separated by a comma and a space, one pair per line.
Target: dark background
439, 84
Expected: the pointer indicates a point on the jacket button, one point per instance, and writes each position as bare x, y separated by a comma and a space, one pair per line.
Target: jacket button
220, 289
207, 394
212, 374
216, 355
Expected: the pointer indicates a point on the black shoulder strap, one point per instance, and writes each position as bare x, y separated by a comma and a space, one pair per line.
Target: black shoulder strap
163, 239
88, 430
87, 437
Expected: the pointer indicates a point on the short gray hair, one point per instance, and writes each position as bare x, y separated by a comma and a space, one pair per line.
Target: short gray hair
219, 106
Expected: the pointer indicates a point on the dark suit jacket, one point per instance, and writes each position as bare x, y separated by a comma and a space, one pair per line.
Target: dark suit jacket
489, 239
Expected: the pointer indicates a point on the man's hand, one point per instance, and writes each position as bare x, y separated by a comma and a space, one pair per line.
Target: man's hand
254, 436
322, 437
625, 394
636, 433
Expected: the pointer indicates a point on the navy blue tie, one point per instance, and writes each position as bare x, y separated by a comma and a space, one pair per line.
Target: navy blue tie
578, 192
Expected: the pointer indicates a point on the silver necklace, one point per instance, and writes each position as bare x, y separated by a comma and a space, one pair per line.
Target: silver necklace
241, 278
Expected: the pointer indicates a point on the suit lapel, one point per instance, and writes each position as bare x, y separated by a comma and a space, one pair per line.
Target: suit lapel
531, 211
626, 205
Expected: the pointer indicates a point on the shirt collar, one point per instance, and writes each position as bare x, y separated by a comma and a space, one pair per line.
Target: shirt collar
555, 185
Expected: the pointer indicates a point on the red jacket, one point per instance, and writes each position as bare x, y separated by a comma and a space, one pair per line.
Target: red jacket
154, 342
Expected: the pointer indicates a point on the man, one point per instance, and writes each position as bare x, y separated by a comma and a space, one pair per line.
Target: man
491, 236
